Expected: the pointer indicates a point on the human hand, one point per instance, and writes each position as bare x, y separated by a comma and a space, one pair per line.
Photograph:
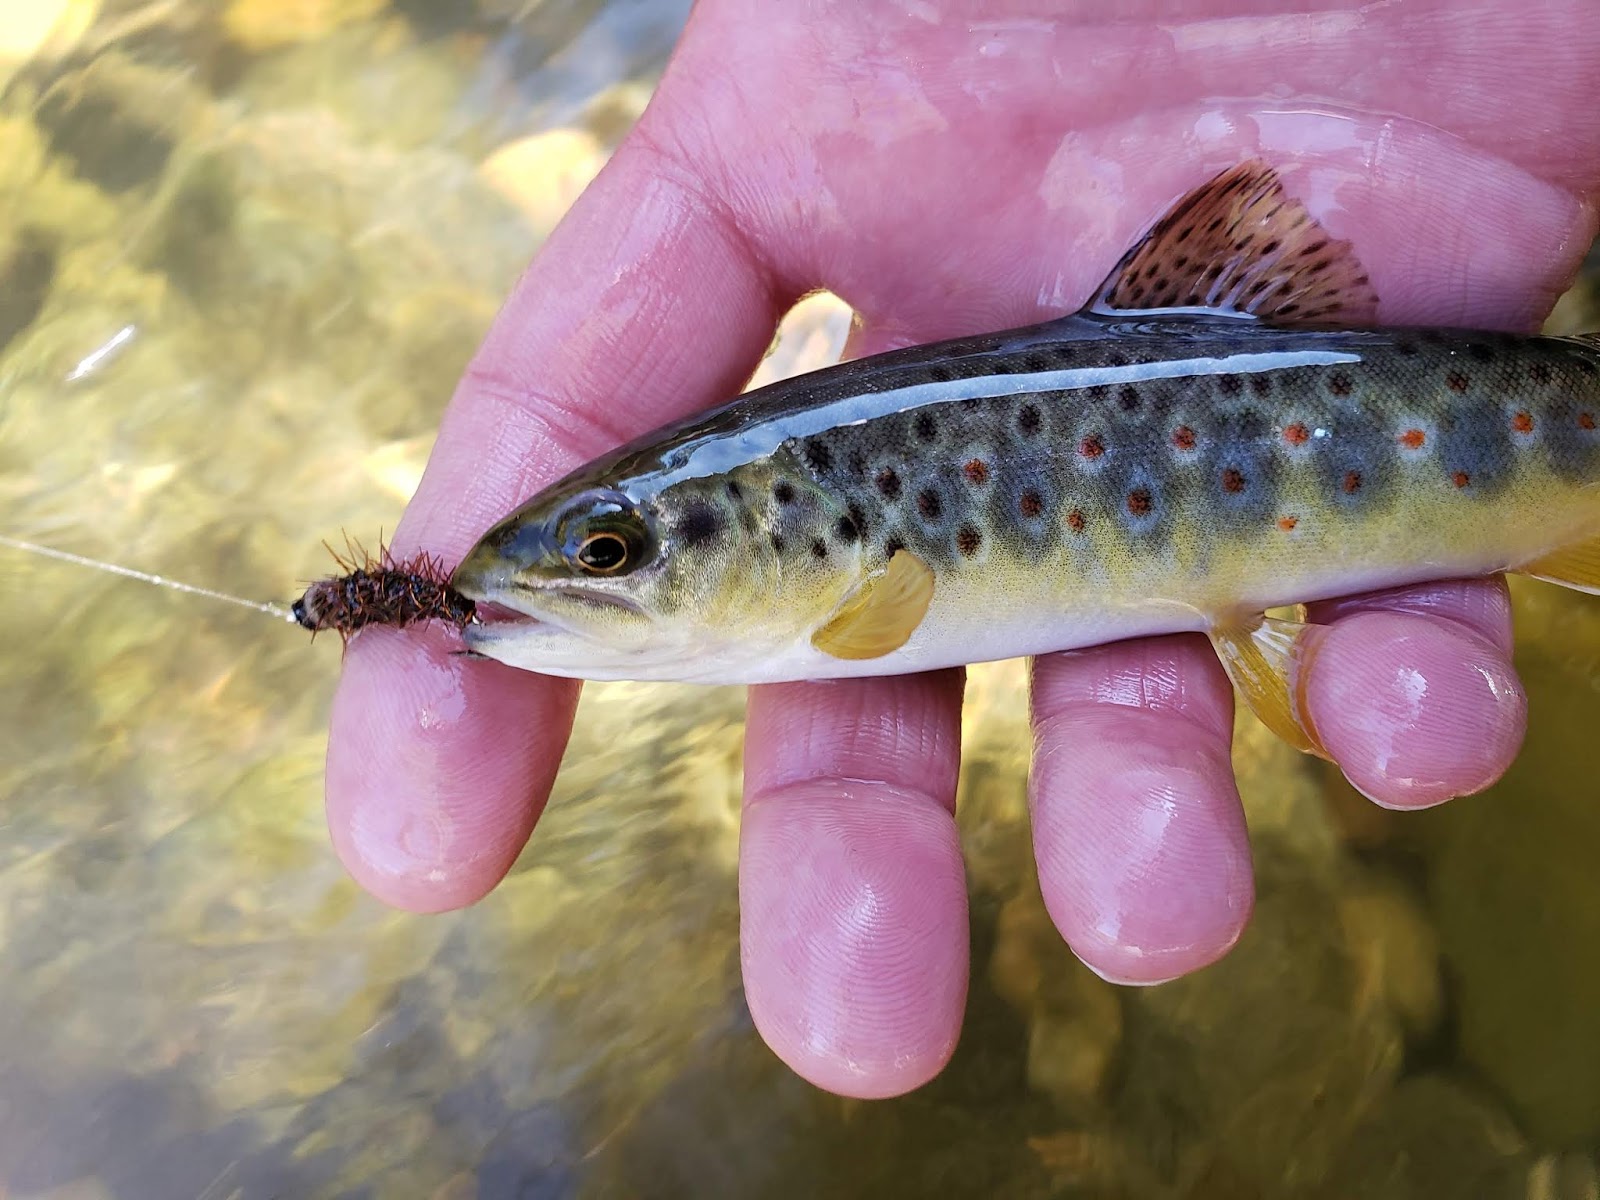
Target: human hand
949, 167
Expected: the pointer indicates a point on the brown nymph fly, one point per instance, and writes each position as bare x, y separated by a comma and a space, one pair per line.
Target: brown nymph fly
381, 590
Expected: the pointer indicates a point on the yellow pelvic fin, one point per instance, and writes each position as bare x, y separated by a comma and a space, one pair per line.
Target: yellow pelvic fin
1574, 567
882, 613
1261, 660
1240, 244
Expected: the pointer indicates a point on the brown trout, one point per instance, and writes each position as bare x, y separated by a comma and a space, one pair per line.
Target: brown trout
1216, 433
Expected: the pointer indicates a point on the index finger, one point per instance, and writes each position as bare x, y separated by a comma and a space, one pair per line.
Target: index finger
645, 304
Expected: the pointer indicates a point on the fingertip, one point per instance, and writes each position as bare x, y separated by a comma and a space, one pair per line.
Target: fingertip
437, 766
1144, 861
1416, 711
853, 933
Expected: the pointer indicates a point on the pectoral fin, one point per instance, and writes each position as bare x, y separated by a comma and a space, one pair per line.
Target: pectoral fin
1574, 567
1261, 660
1241, 245
882, 613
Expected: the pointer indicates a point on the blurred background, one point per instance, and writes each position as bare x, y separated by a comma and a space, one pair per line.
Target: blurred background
246, 248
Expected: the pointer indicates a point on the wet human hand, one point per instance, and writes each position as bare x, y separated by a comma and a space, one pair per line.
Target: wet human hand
947, 168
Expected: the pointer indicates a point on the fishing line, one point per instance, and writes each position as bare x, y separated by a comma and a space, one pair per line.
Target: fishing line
272, 610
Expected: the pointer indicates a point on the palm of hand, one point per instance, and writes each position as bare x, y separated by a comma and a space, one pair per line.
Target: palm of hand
947, 172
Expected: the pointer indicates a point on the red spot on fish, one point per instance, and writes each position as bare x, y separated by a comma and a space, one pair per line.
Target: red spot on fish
1233, 480
1183, 438
1297, 434
968, 539
1460, 479
1092, 446
1288, 523
1076, 521
1139, 502
976, 471
1522, 422
1352, 482
1585, 420
1030, 504
1413, 439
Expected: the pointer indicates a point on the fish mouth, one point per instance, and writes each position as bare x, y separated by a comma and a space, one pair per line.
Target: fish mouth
522, 607
506, 597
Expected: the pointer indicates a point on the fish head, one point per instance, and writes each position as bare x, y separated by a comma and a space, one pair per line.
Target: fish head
639, 578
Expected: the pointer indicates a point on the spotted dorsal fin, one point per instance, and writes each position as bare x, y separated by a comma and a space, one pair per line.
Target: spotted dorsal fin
1241, 245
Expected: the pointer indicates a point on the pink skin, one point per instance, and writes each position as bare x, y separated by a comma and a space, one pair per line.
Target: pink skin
949, 167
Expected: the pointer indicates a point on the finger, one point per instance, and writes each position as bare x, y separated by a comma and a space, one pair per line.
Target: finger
849, 809
852, 895
1137, 826
1413, 691
437, 765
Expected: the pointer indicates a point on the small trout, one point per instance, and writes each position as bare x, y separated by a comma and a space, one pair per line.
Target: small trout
1216, 433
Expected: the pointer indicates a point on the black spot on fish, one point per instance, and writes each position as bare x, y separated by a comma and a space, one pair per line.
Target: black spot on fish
1408, 348
1481, 351
1029, 422
777, 542
734, 491
700, 524
929, 504
817, 455
927, 428
1229, 385
1030, 504
1128, 397
1340, 383
819, 548
858, 517
1261, 383
893, 546
889, 484
846, 529
968, 540
783, 492
1457, 381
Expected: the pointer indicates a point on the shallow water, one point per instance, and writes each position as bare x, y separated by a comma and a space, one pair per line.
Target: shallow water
239, 275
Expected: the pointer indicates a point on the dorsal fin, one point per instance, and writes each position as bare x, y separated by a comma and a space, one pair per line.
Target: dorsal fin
1240, 244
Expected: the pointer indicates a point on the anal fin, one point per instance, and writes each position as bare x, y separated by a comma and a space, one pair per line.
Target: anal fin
1263, 660
1576, 566
882, 614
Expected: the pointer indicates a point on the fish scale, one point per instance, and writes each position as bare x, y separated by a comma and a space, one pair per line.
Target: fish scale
1223, 456
1126, 470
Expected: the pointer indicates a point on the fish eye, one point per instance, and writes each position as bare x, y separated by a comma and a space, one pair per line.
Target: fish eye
604, 533
603, 553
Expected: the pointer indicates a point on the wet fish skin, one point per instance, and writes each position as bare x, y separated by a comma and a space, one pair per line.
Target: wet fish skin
1179, 468
1122, 471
